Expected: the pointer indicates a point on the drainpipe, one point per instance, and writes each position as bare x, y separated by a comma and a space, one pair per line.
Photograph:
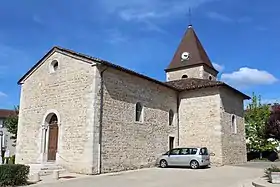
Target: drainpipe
178, 120
101, 117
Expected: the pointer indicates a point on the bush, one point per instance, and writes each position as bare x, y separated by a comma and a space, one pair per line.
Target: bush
13, 174
268, 171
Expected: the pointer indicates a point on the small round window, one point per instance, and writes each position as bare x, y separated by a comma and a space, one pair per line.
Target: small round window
210, 78
53, 66
184, 76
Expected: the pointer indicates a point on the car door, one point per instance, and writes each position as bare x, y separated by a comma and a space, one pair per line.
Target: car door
184, 159
174, 157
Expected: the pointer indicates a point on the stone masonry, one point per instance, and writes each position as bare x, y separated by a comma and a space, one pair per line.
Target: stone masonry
128, 144
70, 91
233, 144
94, 102
199, 72
200, 121
210, 124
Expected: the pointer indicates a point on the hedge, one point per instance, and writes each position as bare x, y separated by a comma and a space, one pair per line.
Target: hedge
13, 174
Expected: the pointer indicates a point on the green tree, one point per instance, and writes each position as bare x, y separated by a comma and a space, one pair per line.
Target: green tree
256, 116
273, 123
11, 123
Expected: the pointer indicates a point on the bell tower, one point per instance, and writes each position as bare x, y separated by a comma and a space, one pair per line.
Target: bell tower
190, 60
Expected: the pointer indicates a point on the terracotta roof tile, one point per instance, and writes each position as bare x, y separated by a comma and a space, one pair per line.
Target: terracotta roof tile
198, 56
194, 83
6, 113
180, 85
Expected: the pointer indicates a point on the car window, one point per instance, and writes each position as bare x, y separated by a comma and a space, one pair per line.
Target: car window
175, 152
193, 151
203, 151
185, 151
188, 151
166, 153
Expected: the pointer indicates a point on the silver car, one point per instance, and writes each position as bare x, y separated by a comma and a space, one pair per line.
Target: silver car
193, 157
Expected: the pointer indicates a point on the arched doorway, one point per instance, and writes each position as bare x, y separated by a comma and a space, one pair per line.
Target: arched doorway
53, 136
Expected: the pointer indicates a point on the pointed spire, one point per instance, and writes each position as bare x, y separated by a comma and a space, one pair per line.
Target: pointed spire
190, 53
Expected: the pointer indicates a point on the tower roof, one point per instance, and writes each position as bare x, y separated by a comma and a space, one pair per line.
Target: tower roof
190, 45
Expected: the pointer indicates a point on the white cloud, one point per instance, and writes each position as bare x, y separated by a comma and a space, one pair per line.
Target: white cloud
224, 18
114, 36
248, 77
37, 19
151, 8
150, 12
270, 101
129, 15
219, 17
2, 94
244, 20
218, 67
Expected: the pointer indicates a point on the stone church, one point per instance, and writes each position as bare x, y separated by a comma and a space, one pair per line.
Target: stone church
91, 116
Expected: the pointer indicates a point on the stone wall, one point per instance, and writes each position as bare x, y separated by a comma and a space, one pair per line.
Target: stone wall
199, 72
70, 91
207, 73
127, 144
200, 121
234, 144
195, 72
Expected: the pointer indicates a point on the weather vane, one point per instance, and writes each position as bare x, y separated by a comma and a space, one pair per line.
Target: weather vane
190, 17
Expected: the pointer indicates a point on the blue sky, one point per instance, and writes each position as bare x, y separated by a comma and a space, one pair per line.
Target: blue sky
240, 37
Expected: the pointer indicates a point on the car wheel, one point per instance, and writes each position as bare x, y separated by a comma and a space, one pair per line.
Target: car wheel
163, 164
194, 164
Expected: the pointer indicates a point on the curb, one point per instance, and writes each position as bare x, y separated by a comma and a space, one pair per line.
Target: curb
257, 185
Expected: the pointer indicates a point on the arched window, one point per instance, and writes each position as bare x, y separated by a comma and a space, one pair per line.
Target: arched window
53, 66
171, 117
210, 77
184, 76
139, 112
233, 124
53, 119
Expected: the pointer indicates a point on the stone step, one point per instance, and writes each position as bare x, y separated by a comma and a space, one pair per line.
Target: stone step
50, 172
45, 169
51, 167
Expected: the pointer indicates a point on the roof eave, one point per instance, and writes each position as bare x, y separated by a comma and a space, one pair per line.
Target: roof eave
95, 60
21, 80
245, 97
190, 66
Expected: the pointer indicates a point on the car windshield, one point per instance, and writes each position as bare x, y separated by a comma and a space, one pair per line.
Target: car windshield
203, 151
166, 153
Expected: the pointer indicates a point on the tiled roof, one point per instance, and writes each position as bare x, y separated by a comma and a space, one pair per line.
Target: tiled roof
180, 85
194, 83
94, 60
6, 113
198, 56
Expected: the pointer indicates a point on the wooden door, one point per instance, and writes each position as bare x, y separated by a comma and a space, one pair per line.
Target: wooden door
53, 139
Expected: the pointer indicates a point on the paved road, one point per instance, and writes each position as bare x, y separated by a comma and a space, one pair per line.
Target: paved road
227, 176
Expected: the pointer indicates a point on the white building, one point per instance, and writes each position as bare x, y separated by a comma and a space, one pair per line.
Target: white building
6, 143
